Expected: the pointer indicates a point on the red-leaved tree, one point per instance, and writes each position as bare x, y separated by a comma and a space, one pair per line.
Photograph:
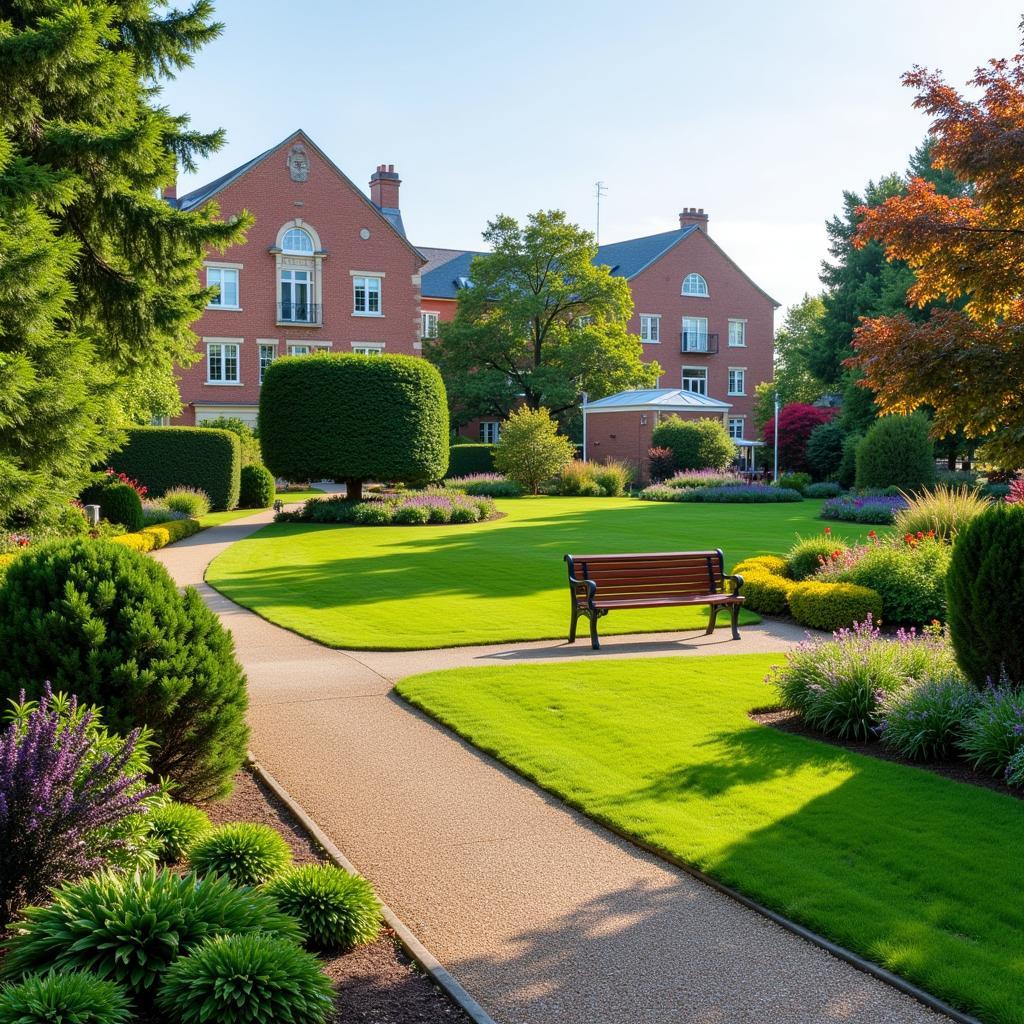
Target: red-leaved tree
796, 422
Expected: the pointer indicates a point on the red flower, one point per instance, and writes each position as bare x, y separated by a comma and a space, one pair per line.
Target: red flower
828, 531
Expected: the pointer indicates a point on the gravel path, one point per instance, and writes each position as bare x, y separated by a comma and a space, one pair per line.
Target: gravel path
542, 915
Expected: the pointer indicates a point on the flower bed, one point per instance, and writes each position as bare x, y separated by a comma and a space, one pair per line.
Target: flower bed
879, 510
421, 508
149, 538
703, 478
745, 494
487, 485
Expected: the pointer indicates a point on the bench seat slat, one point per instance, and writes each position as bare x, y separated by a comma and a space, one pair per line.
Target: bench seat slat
660, 602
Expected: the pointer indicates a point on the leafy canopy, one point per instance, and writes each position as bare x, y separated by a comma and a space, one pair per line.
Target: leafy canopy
539, 320
531, 450
965, 250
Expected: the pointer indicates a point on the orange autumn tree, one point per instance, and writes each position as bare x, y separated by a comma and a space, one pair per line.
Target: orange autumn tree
966, 363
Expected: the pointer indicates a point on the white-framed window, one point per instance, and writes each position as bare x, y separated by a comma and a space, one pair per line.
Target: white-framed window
368, 349
366, 296
695, 334
737, 380
737, 333
694, 284
222, 362
695, 379
650, 328
296, 297
490, 431
297, 240
429, 326
736, 427
226, 280
268, 353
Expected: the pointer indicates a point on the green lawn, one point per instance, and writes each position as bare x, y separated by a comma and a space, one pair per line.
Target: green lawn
416, 587
216, 518
918, 873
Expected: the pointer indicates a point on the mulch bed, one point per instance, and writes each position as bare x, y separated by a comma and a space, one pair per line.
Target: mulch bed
377, 983
790, 721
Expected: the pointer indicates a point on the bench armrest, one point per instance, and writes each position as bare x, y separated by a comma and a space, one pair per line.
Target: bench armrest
738, 580
589, 584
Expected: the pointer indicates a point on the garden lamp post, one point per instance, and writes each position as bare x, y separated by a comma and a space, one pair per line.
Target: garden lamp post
585, 397
775, 473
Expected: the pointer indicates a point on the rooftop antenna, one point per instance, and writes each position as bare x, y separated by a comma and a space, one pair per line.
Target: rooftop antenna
600, 189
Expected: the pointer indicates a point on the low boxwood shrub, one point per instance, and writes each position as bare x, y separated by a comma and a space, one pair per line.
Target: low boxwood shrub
246, 979
149, 538
743, 494
167, 457
832, 606
824, 490
335, 909
985, 594
808, 554
98, 619
897, 451
65, 997
795, 481
176, 827
256, 487
925, 721
247, 853
993, 734
469, 459
121, 504
765, 592
774, 565
190, 501
131, 927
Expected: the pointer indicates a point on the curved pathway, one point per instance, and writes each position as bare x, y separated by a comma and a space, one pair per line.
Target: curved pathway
541, 914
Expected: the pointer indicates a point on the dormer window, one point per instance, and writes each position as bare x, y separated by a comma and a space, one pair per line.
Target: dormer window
694, 284
298, 241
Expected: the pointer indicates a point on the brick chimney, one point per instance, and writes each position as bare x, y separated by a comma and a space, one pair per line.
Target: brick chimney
384, 185
170, 191
691, 215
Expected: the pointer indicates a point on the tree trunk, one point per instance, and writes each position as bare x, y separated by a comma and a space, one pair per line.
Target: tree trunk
354, 490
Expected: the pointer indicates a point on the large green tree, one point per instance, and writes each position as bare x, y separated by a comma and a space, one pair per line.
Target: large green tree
86, 148
539, 322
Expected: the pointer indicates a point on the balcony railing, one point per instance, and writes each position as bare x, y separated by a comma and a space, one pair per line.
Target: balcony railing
701, 344
298, 313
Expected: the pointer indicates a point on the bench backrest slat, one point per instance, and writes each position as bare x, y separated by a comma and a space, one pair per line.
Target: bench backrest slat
662, 574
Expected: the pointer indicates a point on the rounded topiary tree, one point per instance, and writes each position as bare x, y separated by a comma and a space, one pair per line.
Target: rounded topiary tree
121, 504
99, 620
354, 419
985, 596
824, 452
897, 451
256, 487
695, 444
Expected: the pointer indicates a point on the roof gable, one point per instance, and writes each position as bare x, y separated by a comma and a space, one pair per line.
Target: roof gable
628, 258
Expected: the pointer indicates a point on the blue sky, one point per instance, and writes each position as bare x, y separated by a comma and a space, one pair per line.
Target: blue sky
761, 113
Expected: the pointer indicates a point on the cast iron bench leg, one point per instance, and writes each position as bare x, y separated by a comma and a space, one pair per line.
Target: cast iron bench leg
572, 623
713, 619
735, 621
594, 642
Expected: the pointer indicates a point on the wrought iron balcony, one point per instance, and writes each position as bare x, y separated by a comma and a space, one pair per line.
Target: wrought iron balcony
298, 313
698, 344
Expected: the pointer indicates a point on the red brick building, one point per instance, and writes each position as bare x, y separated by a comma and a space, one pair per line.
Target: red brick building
323, 268
708, 325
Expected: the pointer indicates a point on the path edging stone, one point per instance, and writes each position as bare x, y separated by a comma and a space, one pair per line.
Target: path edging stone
412, 945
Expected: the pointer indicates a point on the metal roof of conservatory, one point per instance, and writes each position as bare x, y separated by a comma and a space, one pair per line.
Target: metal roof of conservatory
658, 400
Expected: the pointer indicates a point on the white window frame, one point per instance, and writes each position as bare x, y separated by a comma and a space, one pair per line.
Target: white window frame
700, 373
312, 347
703, 333
692, 278
262, 345
428, 324
649, 336
741, 422
290, 276
220, 347
367, 348
490, 431
742, 380
298, 252
221, 269
742, 325
361, 281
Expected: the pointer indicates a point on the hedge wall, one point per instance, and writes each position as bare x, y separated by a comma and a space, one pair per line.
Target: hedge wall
465, 459
165, 457
354, 418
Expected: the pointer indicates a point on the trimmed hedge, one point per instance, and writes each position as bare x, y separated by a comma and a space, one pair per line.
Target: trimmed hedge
469, 459
774, 565
832, 606
765, 592
152, 537
166, 457
695, 444
257, 487
320, 417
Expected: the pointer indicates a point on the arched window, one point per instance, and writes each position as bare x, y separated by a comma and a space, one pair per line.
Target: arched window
297, 240
694, 284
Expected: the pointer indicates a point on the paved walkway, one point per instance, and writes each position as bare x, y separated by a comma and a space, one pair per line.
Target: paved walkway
542, 915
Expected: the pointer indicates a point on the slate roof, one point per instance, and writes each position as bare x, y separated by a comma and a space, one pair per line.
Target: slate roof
199, 196
658, 399
439, 278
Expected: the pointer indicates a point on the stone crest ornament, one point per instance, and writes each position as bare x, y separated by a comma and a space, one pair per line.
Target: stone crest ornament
298, 163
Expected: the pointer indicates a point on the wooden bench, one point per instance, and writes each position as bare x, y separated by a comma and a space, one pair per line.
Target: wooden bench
601, 583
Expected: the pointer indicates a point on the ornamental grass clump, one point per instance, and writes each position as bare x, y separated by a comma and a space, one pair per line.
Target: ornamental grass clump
69, 997
486, 485
246, 979
131, 927
703, 478
336, 910
942, 511
808, 554
176, 827
246, 853
190, 501
838, 685
64, 794
925, 721
993, 735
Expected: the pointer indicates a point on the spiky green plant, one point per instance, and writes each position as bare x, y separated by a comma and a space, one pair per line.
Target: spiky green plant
246, 853
68, 997
942, 510
175, 827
